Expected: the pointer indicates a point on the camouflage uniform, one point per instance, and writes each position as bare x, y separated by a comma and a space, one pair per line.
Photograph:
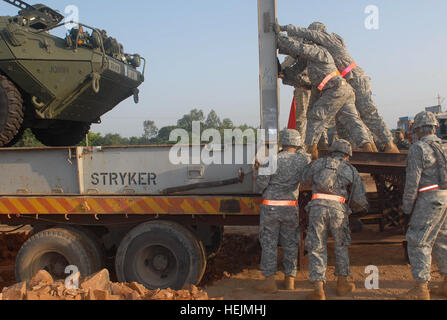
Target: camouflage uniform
295, 75
403, 144
336, 100
357, 78
333, 216
427, 231
281, 223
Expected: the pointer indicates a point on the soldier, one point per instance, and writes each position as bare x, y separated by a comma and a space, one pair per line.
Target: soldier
337, 191
401, 142
280, 212
333, 97
356, 77
425, 199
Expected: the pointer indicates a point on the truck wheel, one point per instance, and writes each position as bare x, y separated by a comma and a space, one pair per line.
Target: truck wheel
62, 133
52, 250
159, 254
93, 245
11, 111
216, 242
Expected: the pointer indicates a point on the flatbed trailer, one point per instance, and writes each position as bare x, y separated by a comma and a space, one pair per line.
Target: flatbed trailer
151, 230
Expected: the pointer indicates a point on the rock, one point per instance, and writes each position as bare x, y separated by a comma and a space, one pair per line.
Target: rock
101, 295
16, 292
98, 281
163, 295
139, 288
41, 278
123, 291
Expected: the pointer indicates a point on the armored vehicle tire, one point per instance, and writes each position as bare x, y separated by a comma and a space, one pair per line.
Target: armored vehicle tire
93, 245
62, 133
52, 250
159, 254
11, 111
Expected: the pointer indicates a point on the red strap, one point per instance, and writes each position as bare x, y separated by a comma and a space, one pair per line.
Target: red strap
327, 79
292, 116
322, 196
349, 69
280, 203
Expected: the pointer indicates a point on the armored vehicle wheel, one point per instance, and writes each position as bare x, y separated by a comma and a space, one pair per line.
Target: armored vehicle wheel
53, 250
160, 254
11, 111
62, 133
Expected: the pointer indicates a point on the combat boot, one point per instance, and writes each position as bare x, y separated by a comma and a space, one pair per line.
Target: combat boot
419, 292
268, 285
390, 147
441, 290
344, 287
289, 283
367, 147
313, 151
318, 293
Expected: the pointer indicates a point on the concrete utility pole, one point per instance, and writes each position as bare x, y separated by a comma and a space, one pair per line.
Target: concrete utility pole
268, 69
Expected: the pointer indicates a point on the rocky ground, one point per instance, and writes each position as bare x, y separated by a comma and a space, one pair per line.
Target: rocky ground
232, 275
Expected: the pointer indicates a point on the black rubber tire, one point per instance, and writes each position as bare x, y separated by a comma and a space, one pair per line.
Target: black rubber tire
217, 241
11, 111
55, 243
93, 245
62, 133
174, 245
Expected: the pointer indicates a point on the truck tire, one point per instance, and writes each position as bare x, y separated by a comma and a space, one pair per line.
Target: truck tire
52, 250
11, 111
62, 133
93, 245
159, 254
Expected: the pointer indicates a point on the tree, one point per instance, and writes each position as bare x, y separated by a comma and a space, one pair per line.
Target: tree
227, 124
188, 119
213, 121
150, 129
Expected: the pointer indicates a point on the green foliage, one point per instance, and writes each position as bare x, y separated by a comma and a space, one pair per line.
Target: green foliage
151, 134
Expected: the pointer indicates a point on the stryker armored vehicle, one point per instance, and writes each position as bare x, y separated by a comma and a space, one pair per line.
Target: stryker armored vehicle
59, 87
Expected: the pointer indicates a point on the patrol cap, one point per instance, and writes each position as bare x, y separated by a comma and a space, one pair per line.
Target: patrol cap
342, 146
317, 26
425, 118
290, 137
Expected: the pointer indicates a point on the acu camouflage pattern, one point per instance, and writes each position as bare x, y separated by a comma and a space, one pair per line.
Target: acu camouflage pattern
425, 118
337, 100
281, 224
427, 233
358, 79
332, 216
291, 138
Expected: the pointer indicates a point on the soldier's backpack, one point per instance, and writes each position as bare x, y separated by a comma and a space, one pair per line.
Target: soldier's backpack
441, 160
324, 180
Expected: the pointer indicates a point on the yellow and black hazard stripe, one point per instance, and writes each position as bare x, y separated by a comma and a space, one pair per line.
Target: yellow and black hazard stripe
130, 205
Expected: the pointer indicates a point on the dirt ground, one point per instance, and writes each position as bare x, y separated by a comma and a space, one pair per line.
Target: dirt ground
240, 279
233, 274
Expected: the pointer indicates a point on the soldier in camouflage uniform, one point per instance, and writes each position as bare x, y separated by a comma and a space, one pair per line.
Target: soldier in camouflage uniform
401, 142
356, 77
334, 97
280, 212
337, 191
294, 73
425, 198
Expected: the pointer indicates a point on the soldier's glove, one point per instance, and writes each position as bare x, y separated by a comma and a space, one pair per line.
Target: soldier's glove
276, 28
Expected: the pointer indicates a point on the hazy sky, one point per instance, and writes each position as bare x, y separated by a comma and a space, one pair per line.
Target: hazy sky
204, 53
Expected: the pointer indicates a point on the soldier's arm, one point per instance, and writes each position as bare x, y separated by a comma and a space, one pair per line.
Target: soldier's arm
297, 49
319, 37
308, 173
262, 181
292, 75
359, 200
414, 171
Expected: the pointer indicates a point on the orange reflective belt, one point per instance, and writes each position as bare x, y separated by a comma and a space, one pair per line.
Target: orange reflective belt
429, 188
349, 69
327, 79
280, 203
322, 196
